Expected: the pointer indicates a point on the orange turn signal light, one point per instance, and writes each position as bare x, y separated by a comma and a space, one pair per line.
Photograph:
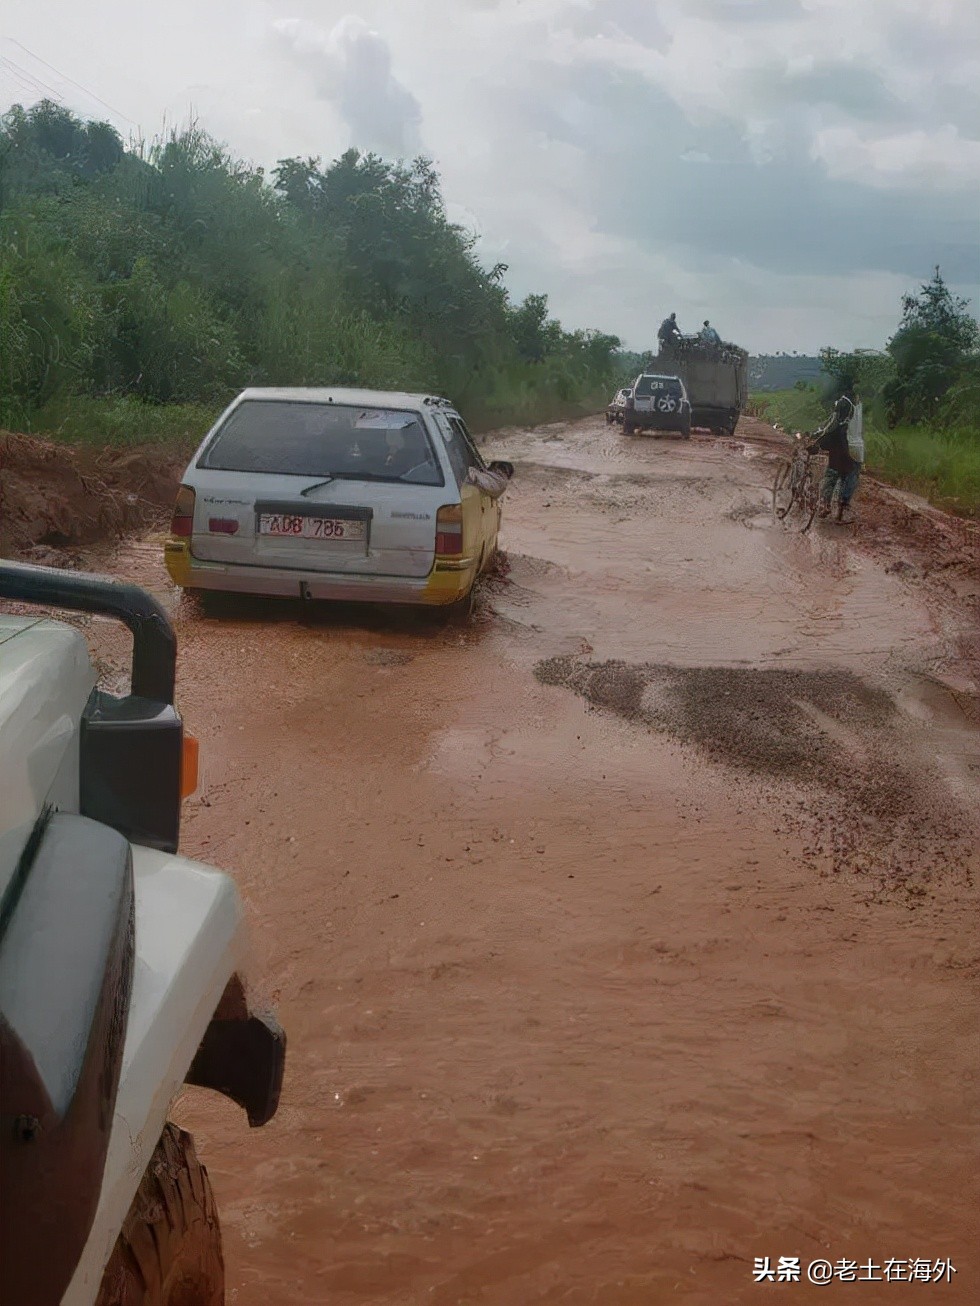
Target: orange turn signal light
189, 757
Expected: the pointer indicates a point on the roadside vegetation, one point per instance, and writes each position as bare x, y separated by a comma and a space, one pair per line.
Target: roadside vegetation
921, 399
141, 288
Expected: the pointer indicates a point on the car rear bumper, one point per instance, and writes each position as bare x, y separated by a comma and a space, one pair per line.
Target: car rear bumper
447, 582
658, 421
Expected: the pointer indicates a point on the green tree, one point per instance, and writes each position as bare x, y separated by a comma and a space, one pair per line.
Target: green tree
935, 340
177, 272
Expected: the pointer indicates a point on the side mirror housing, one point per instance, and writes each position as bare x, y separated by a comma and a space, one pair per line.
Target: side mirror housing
504, 468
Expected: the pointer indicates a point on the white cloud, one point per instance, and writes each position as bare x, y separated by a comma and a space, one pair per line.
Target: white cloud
941, 158
350, 67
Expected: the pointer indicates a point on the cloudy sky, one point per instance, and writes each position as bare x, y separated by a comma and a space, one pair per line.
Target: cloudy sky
785, 167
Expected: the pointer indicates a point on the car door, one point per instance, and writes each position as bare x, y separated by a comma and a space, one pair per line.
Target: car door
481, 512
491, 507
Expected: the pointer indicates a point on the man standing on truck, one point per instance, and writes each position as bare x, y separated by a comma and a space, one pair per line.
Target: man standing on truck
709, 335
843, 470
669, 334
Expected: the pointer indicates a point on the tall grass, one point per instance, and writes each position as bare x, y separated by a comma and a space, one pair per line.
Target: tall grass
124, 421
942, 465
793, 410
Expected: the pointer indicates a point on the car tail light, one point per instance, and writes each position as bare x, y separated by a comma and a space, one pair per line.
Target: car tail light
182, 523
449, 530
222, 526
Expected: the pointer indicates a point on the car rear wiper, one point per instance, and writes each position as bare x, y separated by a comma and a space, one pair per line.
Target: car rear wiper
317, 486
363, 476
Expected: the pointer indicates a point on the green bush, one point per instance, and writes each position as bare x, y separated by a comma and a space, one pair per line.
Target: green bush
120, 420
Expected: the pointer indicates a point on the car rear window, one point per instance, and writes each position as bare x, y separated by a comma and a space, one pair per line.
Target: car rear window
648, 385
291, 438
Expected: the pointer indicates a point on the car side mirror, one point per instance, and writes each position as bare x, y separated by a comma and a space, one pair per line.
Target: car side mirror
504, 468
627, 394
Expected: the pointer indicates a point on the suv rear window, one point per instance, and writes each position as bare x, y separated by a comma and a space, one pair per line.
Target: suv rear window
649, 385
290, 438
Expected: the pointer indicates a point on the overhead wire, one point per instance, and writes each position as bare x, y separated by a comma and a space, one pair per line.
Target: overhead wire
71, 81
28, 80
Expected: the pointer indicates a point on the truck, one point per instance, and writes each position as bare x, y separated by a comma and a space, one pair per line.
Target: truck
121, 967
716, 377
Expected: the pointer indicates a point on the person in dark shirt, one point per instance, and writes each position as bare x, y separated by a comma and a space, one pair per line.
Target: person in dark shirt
669, 333
842, 471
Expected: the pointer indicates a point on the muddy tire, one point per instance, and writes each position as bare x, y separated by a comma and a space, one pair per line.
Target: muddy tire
782, 495
628, 428
461, 612
169, 1250
809, 499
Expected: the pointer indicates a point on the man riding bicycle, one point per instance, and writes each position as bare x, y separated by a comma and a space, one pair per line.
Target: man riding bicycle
843, 469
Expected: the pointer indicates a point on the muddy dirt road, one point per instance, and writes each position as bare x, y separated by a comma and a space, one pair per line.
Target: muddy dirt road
621, 938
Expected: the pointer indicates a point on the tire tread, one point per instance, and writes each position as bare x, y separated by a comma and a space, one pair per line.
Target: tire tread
168, 1252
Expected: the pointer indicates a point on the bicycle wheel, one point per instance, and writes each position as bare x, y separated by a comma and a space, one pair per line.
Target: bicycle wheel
809, 497
782, 491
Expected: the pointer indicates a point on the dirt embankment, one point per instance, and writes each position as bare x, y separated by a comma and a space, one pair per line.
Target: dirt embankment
55, 498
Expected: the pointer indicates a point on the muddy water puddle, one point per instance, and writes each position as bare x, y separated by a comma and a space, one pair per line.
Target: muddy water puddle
598, 983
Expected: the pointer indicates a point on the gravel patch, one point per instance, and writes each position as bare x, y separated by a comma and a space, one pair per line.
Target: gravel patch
832, 738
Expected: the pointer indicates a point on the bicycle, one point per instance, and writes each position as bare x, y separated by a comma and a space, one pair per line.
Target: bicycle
796, 485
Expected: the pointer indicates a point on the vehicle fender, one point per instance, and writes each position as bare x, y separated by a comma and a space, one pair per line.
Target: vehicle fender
190, 944
66, 965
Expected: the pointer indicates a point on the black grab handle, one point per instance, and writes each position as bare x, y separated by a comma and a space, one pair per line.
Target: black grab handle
154, 642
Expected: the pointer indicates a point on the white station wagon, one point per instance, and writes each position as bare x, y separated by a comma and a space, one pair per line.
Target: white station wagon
337, 494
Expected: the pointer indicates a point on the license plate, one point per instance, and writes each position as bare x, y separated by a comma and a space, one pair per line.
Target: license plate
311, 528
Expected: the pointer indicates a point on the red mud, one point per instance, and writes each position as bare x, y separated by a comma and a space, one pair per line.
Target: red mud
622, 937
55, 498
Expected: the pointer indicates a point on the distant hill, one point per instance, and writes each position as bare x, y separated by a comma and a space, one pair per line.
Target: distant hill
782, 371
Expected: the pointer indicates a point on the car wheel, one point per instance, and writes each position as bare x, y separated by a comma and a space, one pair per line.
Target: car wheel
686, 432
628, 427
169, 1250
